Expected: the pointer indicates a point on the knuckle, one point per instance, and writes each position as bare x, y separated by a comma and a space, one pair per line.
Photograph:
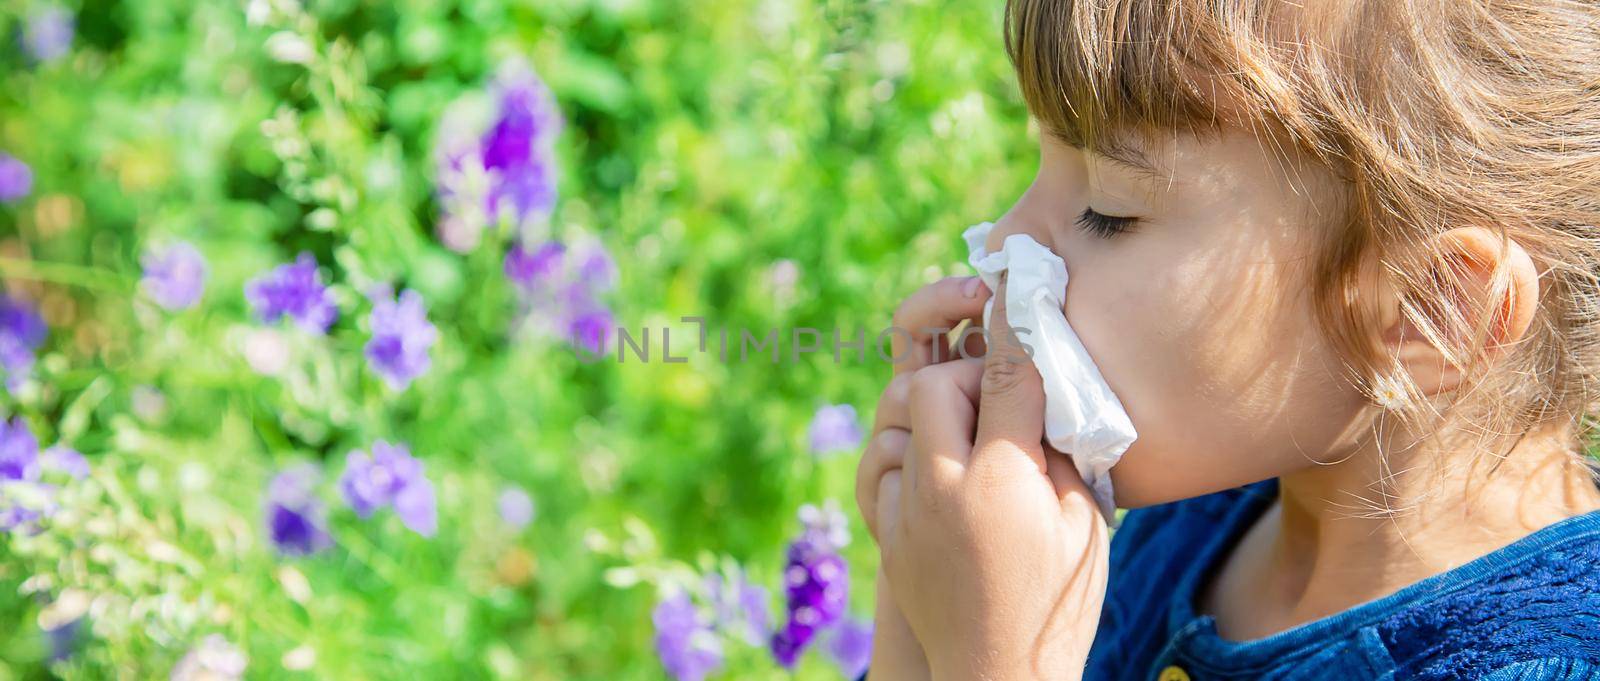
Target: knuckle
939, 495
952, 286
932, 497
888, 448
999, 475
923, 383
988, 479
906, 315
1002, 374
891, 446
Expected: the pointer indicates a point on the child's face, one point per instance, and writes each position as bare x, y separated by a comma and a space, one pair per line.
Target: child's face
1198, 316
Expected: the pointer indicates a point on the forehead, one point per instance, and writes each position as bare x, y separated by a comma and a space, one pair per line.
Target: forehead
1163, 165
1160, 154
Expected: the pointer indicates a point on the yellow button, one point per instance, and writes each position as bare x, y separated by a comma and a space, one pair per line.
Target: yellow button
1174, 673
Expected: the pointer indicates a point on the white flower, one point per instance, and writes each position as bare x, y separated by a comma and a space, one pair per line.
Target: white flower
257, 12
214, 659
829, 522
267, 351
1388, 392
300, 659
290, 48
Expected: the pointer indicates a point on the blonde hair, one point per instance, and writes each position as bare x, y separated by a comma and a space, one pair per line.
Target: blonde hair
1435, 114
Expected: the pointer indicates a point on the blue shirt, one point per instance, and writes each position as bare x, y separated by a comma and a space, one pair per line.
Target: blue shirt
1530, 610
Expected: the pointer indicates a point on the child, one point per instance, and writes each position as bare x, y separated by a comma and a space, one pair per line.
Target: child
1339, 261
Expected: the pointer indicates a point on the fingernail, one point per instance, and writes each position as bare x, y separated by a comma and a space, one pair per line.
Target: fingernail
970, 289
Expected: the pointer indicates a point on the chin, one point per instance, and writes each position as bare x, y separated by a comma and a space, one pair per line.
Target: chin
1137, 482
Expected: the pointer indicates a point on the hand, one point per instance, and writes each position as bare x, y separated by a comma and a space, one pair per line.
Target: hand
941, 305
995, 547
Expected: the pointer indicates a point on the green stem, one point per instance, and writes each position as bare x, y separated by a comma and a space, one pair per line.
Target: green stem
61, 273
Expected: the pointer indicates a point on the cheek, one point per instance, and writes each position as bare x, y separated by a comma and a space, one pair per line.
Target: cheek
1218, 364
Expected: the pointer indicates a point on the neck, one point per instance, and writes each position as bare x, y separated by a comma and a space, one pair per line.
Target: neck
1346, 533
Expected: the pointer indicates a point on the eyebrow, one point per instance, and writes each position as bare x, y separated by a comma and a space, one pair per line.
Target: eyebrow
1135, 160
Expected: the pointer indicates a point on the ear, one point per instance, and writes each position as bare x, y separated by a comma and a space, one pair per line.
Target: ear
1474, 253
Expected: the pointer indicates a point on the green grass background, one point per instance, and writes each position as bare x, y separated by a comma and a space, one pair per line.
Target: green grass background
705, 142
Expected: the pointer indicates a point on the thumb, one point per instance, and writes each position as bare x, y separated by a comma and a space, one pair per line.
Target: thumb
1011, 405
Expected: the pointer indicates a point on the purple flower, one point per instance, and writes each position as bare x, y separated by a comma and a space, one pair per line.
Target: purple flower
417, 507
562, 288
296, 290
65, 460
63, 640
175, 276
295, 517
740, 607
401, 339
850, 646
684, 641
16, 179
24, 500
596, 271
49, 33
591, 330
462, 184
19, 470
390, 476
833, 429
372, 481
515, 506
517, 147
497, 164
22, 330
19, 451
816, 581
24, 504
536, 269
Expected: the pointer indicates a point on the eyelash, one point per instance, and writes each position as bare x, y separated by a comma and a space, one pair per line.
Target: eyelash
1104, 226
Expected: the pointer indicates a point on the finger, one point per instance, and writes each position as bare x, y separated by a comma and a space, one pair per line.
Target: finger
894, 405
884, 453
1011, 404
1068, 484
893, 410
888, 515
943, 414
900, 654
926, 315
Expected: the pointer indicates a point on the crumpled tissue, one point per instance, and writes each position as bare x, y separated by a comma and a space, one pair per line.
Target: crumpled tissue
1082, 416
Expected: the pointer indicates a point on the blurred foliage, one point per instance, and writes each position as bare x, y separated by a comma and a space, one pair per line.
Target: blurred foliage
705, 144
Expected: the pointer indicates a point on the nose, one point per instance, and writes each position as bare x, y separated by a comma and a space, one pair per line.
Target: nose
1017, 221
1037, 214
1046, 209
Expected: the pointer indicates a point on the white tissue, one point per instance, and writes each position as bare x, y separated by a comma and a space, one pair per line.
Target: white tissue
1082, 416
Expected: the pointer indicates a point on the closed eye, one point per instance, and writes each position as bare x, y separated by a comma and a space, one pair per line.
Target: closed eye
1102, 225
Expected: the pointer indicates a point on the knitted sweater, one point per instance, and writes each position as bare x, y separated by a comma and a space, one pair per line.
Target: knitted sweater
1529, 611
